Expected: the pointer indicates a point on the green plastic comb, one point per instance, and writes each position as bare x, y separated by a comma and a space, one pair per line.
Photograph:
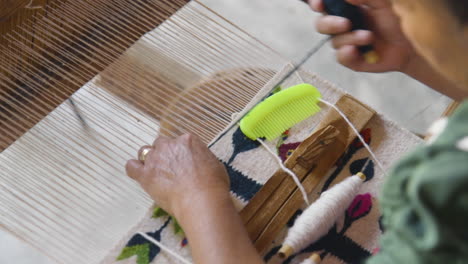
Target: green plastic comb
281, 111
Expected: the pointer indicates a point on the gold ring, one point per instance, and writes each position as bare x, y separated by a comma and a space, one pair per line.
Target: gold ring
144, 153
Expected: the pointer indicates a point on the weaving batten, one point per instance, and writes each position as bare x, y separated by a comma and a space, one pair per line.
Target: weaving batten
37, 34
58, 180
10, 8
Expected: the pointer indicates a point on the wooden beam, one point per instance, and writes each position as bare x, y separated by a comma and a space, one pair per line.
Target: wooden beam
451, 108
272, 207
267, 201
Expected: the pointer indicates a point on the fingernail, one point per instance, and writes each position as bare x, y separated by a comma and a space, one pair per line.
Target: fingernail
343, 21
363, 33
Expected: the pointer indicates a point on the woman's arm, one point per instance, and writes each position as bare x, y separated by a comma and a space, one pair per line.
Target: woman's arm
422, 71
216, 233
188, 181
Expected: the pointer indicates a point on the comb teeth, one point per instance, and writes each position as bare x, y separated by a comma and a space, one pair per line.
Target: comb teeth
275, 123
281, 111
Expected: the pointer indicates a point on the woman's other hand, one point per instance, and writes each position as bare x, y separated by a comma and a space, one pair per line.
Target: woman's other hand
384, 34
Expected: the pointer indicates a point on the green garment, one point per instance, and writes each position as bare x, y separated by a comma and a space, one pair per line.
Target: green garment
425, 202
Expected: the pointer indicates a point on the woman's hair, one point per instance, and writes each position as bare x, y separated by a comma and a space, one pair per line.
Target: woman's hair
460, 9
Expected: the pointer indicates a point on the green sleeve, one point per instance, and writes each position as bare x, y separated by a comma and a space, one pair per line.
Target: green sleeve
425, 203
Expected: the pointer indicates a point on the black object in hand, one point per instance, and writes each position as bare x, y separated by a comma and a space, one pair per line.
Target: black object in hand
353, 13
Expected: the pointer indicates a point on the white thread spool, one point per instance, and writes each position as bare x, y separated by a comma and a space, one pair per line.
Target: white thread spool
313, 259
317, 220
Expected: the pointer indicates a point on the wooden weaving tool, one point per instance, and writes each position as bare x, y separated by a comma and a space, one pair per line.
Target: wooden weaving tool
272, 207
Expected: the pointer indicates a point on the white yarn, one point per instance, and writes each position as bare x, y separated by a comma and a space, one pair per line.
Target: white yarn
463, 144
309, 261
436, 129
357, 134
164, 248
288, 171
316, 220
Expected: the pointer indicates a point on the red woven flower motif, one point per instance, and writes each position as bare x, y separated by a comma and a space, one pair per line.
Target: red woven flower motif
367, 135
360, 206
286, 150
375, 251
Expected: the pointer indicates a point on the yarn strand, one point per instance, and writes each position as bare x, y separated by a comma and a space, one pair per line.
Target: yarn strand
288, 171
164, 248
357, 134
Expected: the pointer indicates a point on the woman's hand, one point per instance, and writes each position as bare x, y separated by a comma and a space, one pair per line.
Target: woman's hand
384, 34
178, 172
186, 180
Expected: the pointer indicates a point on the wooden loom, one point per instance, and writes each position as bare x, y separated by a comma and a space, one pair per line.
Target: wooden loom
172, 65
